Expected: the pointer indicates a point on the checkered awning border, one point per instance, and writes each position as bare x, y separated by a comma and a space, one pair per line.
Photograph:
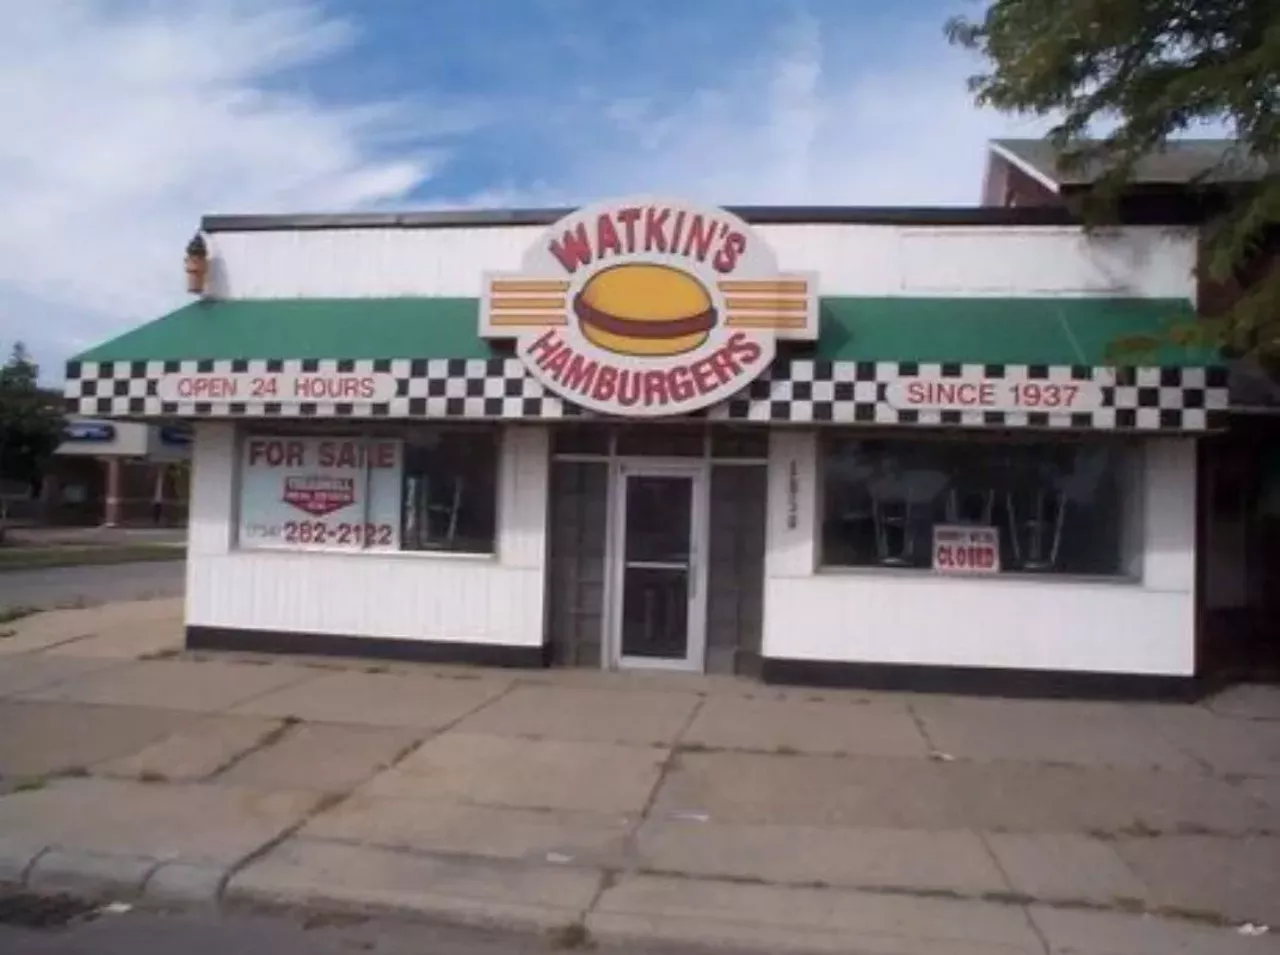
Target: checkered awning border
792, 391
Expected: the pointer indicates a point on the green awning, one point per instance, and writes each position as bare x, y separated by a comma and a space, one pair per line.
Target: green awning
1051, 331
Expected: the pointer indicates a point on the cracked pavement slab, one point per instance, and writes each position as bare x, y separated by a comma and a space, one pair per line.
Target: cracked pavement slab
681, 808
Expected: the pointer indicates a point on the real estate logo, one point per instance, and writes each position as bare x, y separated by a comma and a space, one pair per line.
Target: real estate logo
319, 495
647, 307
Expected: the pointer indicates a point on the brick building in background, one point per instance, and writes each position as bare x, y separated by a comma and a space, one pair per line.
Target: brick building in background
114, 473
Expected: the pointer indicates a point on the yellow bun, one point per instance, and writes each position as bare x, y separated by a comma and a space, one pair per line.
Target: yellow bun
646, 293
641, 292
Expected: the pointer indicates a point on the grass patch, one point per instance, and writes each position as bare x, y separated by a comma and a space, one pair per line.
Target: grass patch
166, 654
276, 733
1086, 905
401, 754
30, 784
1200, 916
696, 748
13, 614
151, 776
1127, 903
569, 936
916, 892
332, 919
1007, 898
1194, 829
326, 802
75, 772
1137, 830
35, 558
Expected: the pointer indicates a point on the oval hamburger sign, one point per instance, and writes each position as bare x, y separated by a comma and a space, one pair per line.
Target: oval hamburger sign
648, 307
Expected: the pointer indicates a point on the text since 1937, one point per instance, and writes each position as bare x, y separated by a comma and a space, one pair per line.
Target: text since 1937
993, 394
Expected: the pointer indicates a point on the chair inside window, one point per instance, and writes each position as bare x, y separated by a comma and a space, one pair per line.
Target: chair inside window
1036, 534
433, 521
971, 506
855, 511
902, 505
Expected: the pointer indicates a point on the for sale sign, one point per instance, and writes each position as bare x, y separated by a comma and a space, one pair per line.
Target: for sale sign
320, 491
963, 549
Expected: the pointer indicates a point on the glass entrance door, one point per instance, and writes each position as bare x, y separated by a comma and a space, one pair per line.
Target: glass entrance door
658, 575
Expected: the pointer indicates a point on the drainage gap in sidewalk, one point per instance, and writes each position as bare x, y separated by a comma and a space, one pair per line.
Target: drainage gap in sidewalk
32, 910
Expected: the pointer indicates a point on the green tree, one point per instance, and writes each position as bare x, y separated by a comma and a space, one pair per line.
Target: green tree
1148, 70
31, 422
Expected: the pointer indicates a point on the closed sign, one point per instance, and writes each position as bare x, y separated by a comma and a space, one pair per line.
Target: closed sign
959, 549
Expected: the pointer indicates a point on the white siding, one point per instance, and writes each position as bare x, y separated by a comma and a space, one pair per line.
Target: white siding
871, 260
411, 596
919, 618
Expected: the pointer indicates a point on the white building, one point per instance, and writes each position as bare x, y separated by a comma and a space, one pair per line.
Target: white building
886, 447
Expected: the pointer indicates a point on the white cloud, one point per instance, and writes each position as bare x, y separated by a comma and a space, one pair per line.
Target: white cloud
123, 124
802, 122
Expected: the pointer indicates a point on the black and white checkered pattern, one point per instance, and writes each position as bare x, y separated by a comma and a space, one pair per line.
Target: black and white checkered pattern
792, 391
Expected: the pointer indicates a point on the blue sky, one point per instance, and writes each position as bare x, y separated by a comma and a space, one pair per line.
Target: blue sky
126, 120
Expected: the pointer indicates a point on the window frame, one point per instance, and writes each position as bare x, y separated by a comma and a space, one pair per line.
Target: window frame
708, 454
1132, 532
401, 432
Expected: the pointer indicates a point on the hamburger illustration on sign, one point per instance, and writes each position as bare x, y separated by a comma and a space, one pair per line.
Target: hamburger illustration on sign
648, 307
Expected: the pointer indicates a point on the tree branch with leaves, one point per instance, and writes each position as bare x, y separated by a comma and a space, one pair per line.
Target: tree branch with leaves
31, 422
1149, 70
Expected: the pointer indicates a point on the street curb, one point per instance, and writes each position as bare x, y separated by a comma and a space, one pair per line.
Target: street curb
97, 877
170, 881
142, 879
571, 929
83, 873
109, 874
16, 858
447, 910
186, 882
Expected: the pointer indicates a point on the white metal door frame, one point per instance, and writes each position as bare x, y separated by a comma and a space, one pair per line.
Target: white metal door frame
620, 472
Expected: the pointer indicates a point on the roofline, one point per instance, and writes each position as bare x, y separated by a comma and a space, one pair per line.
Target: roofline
756, 215
1011, 157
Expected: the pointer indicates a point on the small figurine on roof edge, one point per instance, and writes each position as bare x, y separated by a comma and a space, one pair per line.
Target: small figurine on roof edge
197, 264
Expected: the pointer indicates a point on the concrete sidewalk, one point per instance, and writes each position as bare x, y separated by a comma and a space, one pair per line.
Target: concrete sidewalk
684, 809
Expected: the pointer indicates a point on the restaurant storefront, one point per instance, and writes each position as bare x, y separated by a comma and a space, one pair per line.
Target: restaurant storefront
882, 448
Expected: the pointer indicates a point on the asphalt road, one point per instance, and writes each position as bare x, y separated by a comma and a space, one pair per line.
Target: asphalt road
69, 586
142, 933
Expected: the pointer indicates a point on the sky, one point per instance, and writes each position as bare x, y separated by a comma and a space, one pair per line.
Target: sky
125, 121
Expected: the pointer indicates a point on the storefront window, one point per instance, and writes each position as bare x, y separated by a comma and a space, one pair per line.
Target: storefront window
450, 491
426, 489
980, 506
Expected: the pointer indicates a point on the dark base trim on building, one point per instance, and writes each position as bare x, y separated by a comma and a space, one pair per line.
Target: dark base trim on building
981, 681
383, 648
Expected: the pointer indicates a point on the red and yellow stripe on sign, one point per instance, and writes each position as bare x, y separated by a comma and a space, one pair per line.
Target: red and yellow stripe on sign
515, 303
776, 304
